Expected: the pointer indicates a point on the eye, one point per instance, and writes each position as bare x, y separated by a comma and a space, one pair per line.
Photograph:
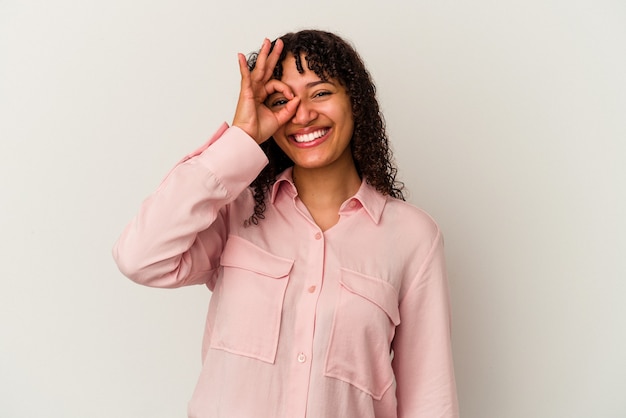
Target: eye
281, 101
322, 93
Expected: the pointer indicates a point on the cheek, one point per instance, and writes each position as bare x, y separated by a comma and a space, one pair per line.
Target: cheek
279, 136
346, 114
282, 143
348, 122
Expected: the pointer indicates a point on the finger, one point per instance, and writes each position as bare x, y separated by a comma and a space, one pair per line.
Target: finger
273, 58
243, 68
259, 67
277, 86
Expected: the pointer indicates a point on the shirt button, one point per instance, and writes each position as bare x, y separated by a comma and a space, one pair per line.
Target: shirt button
301, 358
318, 235
311, 289
352, 204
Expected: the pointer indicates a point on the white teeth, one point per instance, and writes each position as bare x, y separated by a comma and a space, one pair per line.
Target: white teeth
310, 136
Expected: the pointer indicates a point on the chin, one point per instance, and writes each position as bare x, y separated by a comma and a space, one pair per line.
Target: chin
312, 162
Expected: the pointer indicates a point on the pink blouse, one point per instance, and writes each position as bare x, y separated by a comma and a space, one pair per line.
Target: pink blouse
350, 322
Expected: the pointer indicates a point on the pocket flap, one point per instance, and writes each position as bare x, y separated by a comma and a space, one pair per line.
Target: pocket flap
243, 254
377, 291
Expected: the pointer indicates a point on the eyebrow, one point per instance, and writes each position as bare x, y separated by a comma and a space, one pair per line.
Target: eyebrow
318, 82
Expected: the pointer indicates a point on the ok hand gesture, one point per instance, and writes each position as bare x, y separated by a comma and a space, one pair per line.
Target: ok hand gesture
252, 115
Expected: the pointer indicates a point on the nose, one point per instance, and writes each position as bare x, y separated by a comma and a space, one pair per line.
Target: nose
305, 114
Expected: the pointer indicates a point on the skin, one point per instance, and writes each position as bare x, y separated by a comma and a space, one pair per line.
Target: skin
252, 115
302, 104
324, 110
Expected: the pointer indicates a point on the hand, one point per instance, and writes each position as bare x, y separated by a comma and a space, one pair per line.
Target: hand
252, 115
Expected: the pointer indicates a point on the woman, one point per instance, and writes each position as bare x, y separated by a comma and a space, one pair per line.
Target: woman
329, 291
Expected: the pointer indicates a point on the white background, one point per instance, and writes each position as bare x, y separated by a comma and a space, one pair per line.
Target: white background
509, 124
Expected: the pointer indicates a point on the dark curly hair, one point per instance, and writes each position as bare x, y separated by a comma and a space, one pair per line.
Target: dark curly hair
330, 57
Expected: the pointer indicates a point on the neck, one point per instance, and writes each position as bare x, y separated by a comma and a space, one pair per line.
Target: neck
328, 187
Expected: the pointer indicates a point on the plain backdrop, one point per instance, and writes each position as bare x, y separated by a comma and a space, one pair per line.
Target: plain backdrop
508, 121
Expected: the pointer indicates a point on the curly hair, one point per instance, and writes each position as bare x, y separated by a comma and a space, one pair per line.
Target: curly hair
331, 57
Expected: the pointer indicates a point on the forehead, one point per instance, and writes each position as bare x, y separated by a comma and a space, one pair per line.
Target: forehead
292, 72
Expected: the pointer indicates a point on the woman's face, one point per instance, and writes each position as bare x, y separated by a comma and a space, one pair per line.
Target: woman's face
319, 133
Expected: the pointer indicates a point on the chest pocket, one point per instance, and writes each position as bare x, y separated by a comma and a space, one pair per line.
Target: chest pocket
363, 327
250, 299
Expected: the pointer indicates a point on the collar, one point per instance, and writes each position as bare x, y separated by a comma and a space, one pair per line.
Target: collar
367, 196
284, 182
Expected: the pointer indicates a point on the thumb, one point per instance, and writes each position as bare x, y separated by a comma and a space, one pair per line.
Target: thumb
288, 110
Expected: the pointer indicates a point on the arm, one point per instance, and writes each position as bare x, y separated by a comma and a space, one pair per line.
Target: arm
422, 346
179, 232
177, 237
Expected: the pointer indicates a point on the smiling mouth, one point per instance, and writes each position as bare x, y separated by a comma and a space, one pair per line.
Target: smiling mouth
311, 136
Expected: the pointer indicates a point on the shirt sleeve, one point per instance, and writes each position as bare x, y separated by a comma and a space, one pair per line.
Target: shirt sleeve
422, 348
177, 236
